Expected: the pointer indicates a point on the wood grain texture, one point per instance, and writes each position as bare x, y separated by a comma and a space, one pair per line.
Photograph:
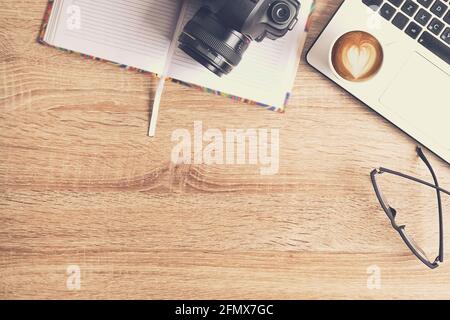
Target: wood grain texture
82, 184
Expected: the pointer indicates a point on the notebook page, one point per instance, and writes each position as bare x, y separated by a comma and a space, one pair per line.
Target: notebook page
265, 74
136, 33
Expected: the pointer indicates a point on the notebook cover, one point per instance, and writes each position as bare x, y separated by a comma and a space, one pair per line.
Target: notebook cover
190, 85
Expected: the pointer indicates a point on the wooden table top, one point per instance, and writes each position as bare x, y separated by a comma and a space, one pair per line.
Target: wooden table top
84, 190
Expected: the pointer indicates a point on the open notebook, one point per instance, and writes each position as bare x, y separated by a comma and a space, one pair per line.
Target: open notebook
139, 33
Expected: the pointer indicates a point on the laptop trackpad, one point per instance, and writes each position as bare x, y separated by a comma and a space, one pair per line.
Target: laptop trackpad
419, 95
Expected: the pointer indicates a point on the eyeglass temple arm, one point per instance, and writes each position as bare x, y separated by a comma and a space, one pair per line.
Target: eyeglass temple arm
422, 156
381, 170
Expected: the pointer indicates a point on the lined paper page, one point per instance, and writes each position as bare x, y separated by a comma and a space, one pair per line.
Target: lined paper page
265, 74
136, 33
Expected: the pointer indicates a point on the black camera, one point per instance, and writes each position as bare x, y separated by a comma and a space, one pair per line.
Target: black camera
221, 31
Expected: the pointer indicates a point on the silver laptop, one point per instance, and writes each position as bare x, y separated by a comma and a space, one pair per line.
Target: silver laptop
411, 88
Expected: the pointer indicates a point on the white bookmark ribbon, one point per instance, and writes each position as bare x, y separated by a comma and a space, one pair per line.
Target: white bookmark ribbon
162, 78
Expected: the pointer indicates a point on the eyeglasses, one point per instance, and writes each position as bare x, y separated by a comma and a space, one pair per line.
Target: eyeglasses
392, 213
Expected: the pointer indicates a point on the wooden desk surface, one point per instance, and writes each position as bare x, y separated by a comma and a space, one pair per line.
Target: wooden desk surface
81, 184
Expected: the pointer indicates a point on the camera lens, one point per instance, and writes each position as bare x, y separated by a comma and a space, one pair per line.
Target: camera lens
209, 42
281, 12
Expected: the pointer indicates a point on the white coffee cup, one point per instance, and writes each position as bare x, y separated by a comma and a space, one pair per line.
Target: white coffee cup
356, 56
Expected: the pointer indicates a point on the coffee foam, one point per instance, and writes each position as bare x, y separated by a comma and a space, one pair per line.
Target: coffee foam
357, 56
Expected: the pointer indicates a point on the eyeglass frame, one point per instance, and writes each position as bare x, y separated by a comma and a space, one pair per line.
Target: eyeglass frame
391, 212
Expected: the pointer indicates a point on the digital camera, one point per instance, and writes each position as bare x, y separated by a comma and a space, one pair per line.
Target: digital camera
222, 30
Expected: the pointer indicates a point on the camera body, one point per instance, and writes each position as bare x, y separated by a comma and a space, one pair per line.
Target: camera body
257, 19
221, 31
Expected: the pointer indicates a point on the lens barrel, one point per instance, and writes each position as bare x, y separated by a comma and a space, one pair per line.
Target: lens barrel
211, 43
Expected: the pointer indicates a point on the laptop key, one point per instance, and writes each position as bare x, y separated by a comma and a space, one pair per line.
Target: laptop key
410, 8
447, 17
439, 8
436, 46
387, 11
413, 30
422, 17
435, 26
446, 36
425, 3
396, 3
400, 20
373, 4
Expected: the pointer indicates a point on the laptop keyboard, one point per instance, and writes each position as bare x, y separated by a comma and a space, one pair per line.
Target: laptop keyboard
426, 21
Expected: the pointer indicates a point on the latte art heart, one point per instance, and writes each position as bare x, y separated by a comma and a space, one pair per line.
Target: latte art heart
359, 60
357, 56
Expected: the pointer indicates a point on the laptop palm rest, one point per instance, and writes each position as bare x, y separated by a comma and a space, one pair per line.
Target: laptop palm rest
409, 98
